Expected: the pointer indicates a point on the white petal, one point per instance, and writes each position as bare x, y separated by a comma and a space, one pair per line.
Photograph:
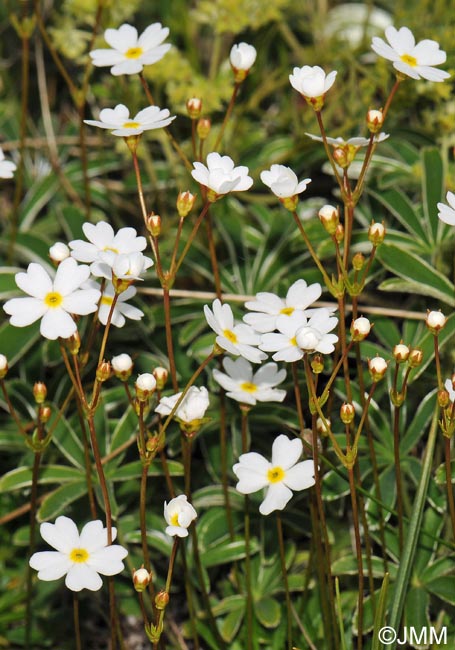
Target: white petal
93, 536
301, 476
70, 275
57, 323
63, 535
81, 576
122, 38
285, 452
108, 561
276, 498
176, 530
36, 281
82, 302
51, 565
24, 311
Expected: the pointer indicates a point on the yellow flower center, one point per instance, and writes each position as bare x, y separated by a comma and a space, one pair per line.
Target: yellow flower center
79, 555
134, 52
130, 125
107, 300
287, 311
230, 336
293, 341
109, 248
410, 60
275, 475
175, 519
248, 387
53, 299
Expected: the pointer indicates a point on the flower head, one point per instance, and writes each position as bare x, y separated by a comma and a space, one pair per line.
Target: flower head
242, 58
447, 212
312, 83
284, 183
7, 168
80, 557
280, 476
412, 60
118, 120
237, 339
248, 388
129, 53
121, 309
53, 301
220, 176
191, 409
103, 240
178, 514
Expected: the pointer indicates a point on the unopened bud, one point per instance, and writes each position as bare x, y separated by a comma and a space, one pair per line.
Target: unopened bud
375, 120
322, 426
161, 599
154, 443
307, 436
317, 364
145, 386
45, 414
39, 392
185, 203
376, 233
401, 352
59, 252
443, 398
330, 218
3, 366
141, 579
161, 375
435, 321
377, 367
154, 224
194, 107
415, 357
122, 365
73, 343
339, 233
358, 261
104, 371
341, 157
360, 328
203, 128
347, 413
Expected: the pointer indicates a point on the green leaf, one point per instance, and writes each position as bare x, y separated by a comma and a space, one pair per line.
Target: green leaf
134, 470
230, 625
388, 495
416, 608
419, 424
437, 569
56, 503
432, 187
21, 477
18, 340
402, 208
227, 552
379, 618
440, 474
268, 612
348, 566
443, 588
124, 430
67, 441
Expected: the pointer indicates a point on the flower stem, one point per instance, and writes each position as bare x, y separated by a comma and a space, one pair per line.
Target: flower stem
358, 547
249, 596
77, 627
32, 535
192, 235
313, 253
284, 572
227, 116
449, 484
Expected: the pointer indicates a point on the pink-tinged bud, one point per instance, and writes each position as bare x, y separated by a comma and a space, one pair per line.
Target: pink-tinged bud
73, 343
435, 321
161, 600
45, 414
141, 579
376, 233
339, 233
59, 252
154, 444
341, 157
401, 352
3, 366
39, 392
377, 367
358, 262
203, 128
443, 398
317, 364
347, 413
330, 218
375, 120
194, 107
145, 386
161, 375
323, 427
154, 224
104, 371
360, 328
415, 357
185, 203
122, 365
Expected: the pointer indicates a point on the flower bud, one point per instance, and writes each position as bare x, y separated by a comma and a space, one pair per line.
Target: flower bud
141, 579
401, 352
375, 120
347, 413
59, 252
203, 127
45, 413
242, 58
443, 398
185, 203
339, 233
161, 375
341, 157
317, 364
415, 357
3, 366
122, 365
435, 321
376, 233
145, 386
74, 343
358, 261
161, 600
104, 371
307, 436
330, 218
377, 367
194, 107
154, 444
360, 328
154, 224
39, 392
323, 427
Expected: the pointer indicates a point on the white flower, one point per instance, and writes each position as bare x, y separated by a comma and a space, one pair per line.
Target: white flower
80, 557
242, 56
283, 182
448, 385
53, 300
220, 176
118, 120
236, 339
7, 168
59, 252
312, 81
122, 363
269, 306
130, 53
146, 382
128, 266
281, 476
178, 514
121, 310
355, 142
297, 335
447, 212
248, 388
192, 408
413, 60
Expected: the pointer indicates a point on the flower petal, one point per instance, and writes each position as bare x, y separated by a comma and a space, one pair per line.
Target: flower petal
51, 565
285, 452
24, 311
108, 561
81, 576
276, 498
36, 281
301, 476
57, 323
63, 535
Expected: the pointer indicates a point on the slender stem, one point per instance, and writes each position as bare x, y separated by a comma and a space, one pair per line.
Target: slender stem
449, 484
101, 476
398, 478
107, 328
313, 253
227, 116
140, 189
32, 540
249, 596
88, 466
176, 246
167, 588
358, 547
298, 397
77, 627
224, 461
213, 257
169, 340
192, 235
328, 151
11, 409
284, 572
